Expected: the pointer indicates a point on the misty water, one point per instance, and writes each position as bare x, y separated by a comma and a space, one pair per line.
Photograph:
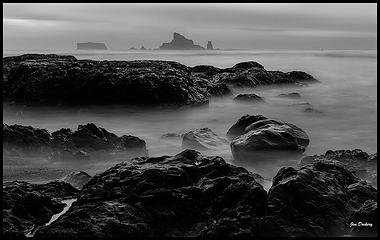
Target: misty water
345, 100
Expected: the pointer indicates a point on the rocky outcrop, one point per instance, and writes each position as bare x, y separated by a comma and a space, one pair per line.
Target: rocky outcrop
251, 97
66, 144
179, 42
27, 205
184, 195
258, 133
47, 80
77, 179
317, 200
290, 95
358, 161
202, 139
209, 46
193, 195
91, 46
54, 79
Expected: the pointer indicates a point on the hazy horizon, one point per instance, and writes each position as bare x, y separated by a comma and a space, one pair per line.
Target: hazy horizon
228, 26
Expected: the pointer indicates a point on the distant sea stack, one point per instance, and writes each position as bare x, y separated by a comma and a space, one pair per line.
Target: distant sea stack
179, 42
91, 46
209, 46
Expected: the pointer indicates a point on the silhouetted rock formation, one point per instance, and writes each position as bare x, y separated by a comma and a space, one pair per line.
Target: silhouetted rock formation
91, 46
142, 48
358, 161
40, 79
248, 97
179, 42
209, 46
65, 144
202, 139
26, 205
258, 133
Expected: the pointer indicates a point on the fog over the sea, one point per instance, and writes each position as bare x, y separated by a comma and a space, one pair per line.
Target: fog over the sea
229, 26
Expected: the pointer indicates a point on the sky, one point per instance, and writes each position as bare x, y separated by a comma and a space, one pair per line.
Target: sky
229, 26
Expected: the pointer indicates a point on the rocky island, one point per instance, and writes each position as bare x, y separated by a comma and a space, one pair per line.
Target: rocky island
91, 46
180, 42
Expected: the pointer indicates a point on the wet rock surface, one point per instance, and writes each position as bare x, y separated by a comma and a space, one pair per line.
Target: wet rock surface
194, 195
364, 165
66, 144
258, 133
184, 195
251, 97
26, 204
202, 139
317, 200
58, 79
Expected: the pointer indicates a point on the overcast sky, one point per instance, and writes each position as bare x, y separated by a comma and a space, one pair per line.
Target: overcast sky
231, 26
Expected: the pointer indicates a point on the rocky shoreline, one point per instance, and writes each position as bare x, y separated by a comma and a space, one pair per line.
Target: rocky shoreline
49, 79
191, 194
194, 195
186, 194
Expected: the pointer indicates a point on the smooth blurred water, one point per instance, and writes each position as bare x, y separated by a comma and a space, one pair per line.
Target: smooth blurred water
346, 98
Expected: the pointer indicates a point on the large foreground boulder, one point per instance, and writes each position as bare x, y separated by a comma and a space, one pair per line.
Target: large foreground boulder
57, 79
318, 199
252, 134
202, 139
27, 205
361, 163
184, 195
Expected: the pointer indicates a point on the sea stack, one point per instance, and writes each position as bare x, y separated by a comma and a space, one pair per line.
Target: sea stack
91, 46
180, 42
209, 46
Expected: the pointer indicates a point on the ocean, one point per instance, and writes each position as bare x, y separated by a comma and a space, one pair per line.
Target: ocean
345, 100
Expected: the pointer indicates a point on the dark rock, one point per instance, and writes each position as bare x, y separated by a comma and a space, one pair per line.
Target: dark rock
247, 65
26, 205
209, 46
314, 201
142, 48
91, 46
290, 95
202, 139
257, 133
53, 79
26, 138
67, 81
251, 97
184, 195
66, 144
300, 76
179, 42
239, 127
358, 161
77, 179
